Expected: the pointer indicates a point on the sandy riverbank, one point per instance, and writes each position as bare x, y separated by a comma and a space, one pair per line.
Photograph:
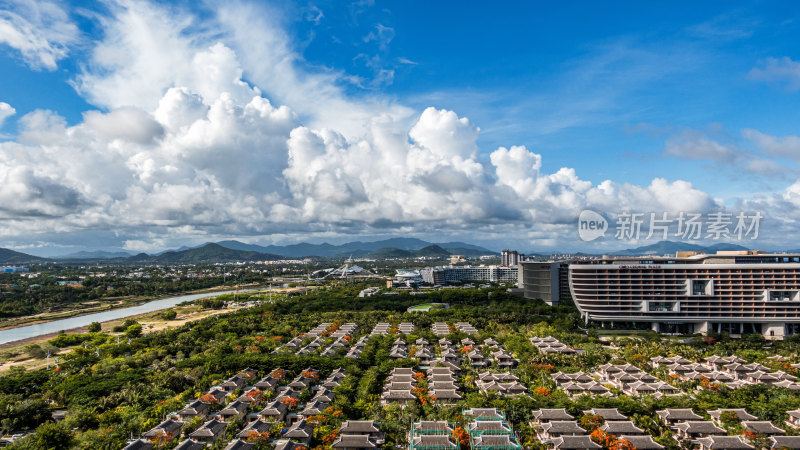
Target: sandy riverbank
150, 322
12, 353
113, 305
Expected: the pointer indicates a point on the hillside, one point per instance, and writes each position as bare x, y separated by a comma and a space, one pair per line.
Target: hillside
8, 256
207, 254
431, 251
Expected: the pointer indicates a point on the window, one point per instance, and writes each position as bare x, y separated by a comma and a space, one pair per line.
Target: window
782, 296
662, 306
700, 287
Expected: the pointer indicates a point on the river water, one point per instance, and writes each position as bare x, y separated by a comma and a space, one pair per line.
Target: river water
32, 331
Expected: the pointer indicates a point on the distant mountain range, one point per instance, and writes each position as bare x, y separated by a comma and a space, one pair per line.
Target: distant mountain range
206, 254
229, 251
98, 254
358, 248
670, 248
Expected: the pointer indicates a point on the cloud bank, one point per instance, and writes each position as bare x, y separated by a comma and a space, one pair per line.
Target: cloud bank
183, 145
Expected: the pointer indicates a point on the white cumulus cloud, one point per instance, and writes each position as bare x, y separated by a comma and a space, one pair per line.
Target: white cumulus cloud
186, 146
41, 31
6, 111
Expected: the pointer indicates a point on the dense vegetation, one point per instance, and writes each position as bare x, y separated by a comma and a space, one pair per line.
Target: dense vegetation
112, 388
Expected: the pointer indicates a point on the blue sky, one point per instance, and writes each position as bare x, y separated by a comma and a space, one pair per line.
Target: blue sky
607, 100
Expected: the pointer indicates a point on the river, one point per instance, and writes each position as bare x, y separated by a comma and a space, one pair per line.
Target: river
39, 329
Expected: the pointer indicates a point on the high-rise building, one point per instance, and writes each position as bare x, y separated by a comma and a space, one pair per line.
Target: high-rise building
433, 275
546, 281
459, 274
735, 292
509, 258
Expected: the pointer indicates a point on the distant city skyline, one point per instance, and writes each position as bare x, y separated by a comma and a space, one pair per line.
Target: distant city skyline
143, 126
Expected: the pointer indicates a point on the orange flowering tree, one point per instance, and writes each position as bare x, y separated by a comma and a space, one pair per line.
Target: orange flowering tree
310, 374
602, 438
327, 416
255, 396
544, 367
329, 437
256, 436
461, 437
622, 444
542, 392
208, 398
291, 402
422, 394
466, 349
707, 384
591, 421
163, 440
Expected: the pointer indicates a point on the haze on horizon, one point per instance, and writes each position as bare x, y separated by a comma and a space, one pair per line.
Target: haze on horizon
144, 125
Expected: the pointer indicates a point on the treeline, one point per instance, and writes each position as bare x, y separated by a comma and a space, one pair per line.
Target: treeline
22, 301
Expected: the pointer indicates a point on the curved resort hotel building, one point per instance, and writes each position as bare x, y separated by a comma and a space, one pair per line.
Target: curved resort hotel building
737, 292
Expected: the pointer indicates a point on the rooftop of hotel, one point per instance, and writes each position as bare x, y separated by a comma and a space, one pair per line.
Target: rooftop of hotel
692, 257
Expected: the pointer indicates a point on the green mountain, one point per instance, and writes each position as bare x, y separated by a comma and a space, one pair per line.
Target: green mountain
433, 251
429, 251
390, 252
11, 257
358, 248
207, 254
